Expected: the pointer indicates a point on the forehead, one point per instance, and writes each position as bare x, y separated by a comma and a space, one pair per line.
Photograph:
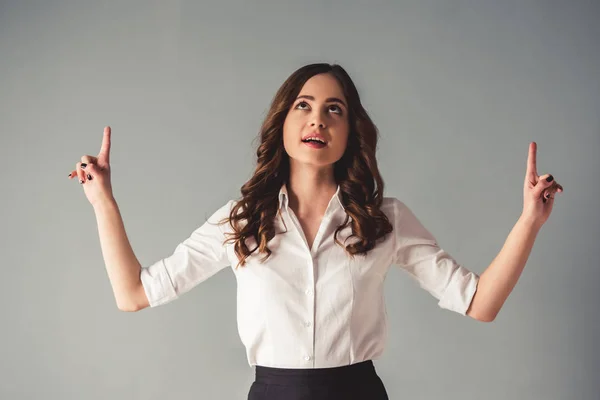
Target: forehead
323, 86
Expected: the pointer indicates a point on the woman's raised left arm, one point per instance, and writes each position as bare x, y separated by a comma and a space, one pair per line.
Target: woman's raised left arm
501, 276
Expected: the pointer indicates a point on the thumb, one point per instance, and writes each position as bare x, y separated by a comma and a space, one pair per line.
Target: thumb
544, 182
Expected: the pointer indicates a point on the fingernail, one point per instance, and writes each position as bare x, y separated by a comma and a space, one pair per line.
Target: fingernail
83, 165
549, 179
89, 177
69, 175
81, 181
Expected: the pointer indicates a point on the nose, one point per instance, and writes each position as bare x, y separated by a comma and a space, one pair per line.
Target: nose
317, 120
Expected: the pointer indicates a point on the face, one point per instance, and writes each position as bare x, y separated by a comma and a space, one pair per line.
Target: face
319, 108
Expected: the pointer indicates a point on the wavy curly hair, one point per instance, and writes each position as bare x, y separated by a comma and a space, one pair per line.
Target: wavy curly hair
356, 172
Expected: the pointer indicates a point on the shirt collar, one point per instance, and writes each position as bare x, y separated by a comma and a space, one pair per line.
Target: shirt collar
283, 197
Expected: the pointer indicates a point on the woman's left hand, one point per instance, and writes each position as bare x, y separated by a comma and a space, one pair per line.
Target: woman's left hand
538, 192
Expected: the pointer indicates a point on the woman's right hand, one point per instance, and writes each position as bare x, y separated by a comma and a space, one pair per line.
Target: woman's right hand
94, 173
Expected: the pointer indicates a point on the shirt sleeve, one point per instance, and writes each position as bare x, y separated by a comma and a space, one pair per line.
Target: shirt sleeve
418, 253
194, 260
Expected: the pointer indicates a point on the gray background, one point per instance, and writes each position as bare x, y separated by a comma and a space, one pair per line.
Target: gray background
458, 89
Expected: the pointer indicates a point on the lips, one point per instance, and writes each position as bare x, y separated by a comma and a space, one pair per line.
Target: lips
315, 145
315, 135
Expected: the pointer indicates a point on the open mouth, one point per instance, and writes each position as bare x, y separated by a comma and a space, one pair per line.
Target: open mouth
315, 144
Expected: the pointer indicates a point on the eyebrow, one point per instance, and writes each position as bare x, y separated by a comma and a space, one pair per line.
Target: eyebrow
330, 99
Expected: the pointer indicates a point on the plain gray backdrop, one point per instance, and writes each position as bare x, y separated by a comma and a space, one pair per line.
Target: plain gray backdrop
457, 89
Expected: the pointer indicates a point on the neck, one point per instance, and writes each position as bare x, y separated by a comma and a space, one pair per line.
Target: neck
308, 196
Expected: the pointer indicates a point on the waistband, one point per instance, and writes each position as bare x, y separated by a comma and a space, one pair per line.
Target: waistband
345, 374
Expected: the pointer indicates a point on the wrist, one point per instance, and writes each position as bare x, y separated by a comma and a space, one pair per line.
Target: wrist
104, 203
529, 222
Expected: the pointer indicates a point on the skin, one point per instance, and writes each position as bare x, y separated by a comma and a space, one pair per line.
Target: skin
312, 184
93, 172
500, 277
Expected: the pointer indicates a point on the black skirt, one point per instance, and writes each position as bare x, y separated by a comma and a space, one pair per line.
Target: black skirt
350, 382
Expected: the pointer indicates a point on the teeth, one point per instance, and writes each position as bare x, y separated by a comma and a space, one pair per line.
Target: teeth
313, 138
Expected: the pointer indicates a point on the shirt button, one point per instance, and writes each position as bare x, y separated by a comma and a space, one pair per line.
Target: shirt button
307, 323
308, 292
307, 358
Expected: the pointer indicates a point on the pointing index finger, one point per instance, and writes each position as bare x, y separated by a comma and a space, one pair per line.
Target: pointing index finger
532, 162
105, 148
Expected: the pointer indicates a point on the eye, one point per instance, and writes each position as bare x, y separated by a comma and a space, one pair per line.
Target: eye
338, 110
302, 102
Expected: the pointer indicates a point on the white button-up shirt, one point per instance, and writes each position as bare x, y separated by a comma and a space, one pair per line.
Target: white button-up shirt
313, 307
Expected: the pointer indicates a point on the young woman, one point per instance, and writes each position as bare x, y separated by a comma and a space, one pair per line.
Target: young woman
310, 241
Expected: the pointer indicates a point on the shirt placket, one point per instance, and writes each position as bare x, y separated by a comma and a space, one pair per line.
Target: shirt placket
308, 322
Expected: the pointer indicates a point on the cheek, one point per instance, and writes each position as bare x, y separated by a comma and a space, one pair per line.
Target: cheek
292, 126
286, 130
293, 119
289, 133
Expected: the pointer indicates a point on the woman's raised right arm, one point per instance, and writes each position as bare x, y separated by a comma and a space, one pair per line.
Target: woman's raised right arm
122, 266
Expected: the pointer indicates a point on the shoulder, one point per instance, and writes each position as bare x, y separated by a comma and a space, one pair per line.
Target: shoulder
398, 212
219, 216
222, 211
392, 206
404, 219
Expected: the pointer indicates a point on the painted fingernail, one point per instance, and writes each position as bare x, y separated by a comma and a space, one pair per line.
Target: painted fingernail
89, 177
81, 181
83, 165
549, 179
69, 175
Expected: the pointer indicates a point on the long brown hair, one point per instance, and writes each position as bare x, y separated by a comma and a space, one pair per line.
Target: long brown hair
356, 172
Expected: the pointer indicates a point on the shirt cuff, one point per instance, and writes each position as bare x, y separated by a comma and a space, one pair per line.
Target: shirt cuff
157, 284
460, 291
